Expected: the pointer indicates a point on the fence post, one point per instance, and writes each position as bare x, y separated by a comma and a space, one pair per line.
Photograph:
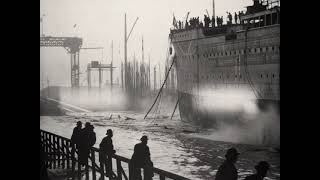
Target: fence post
93, 162
102, 171
45, 146
87, 169
54, 151
68, 155
73, 162
51, 151
119, 169
59, 151
64, 152
162, 177
79, 167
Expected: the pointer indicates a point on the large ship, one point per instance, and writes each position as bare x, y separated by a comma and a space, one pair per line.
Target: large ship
220, 66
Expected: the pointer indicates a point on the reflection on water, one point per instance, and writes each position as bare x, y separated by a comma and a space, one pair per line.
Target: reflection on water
175, 146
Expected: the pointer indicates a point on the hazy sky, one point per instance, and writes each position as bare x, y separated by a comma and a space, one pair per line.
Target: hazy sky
99, 22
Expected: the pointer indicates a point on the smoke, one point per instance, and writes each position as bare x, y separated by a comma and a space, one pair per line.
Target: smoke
239, 119
94, 99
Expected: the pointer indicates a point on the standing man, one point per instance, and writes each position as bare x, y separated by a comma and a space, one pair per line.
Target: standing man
235, 18
262, 169
141, 159
88, 139
227, 171
106, 152
213, 22
75, 137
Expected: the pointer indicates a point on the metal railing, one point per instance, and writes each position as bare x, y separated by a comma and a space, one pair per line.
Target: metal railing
61, 153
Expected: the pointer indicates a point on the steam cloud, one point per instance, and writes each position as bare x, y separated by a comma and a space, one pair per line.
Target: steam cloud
251, 125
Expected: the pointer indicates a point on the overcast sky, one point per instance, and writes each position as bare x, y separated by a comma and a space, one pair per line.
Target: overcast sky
99, 22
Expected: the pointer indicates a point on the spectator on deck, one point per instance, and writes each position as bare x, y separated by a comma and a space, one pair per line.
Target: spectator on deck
227, 171
262, 168
235, 18
213, 21
106, 152
141, 159
230, 18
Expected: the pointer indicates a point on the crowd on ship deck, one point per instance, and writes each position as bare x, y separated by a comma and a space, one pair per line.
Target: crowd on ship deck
207, 22
83, 139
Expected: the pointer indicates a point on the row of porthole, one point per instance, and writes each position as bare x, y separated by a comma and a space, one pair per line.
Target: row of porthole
236, 76
237, 52
182, 35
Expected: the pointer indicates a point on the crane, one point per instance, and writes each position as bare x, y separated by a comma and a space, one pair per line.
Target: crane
207, 13
186, 19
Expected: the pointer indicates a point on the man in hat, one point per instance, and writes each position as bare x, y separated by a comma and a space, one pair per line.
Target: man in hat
227, 171
76, 137
106, 152
262, 168
88, 139
141, 159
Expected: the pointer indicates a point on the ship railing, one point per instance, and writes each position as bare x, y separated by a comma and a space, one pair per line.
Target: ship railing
62, 154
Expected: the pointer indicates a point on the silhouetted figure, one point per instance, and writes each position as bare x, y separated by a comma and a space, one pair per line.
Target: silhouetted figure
106, 152
213, 21
235, 18
75, 137
141, 159
227, 171
262, 169
229, 18
187, 25
88, 139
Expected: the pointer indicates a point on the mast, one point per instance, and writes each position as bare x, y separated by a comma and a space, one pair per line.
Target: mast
213, 9
111, 69
125, 52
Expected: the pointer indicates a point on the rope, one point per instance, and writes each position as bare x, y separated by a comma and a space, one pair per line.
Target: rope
248, 77
160, 88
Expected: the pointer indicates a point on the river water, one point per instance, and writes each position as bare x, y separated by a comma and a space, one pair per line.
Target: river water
175, 146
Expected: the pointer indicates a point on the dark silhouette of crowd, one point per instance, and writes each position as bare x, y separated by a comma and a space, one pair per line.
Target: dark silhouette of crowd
84, 138
207, 22
228, 171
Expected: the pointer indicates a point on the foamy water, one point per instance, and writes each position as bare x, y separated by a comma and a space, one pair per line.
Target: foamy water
192, 155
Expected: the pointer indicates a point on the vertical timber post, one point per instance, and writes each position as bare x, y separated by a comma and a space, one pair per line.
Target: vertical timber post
119, 169
93, 162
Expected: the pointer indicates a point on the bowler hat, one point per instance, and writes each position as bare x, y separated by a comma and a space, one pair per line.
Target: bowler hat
232, 152
109, 131
144, 138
